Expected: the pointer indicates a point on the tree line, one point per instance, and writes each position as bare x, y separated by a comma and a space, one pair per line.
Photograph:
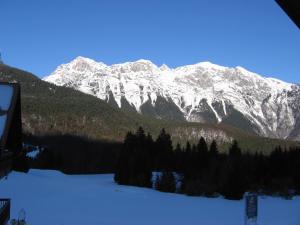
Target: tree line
202, 170
73, 154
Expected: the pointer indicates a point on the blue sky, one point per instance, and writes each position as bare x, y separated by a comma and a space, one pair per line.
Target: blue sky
39, 35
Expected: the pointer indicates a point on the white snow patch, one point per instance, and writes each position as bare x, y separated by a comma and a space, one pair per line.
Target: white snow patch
215, 112
224, 107
33, 154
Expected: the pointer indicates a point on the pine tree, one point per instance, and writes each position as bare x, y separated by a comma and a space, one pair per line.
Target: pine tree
157, 182
188, 148
164, 147
234, 150
166, 182
178, 148
202, 146
202, 150
213, 149
233, 186
187, 168
122, 171
178, 158
133, 165
150, 148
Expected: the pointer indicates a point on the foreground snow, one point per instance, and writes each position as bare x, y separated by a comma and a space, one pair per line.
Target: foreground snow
50, 197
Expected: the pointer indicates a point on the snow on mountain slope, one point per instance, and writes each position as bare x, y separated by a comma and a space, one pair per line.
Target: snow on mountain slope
203, 92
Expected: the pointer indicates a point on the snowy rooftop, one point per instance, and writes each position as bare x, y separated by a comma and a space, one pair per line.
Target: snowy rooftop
6, 93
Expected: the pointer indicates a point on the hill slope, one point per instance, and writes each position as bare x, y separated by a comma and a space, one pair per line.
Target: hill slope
49, 109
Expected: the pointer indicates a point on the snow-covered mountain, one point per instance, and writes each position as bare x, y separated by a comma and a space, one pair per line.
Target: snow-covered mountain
203, 92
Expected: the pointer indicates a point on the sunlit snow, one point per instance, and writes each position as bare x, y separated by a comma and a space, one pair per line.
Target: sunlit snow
50, 197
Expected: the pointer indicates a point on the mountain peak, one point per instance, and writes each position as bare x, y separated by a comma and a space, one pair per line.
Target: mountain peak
203, 92
141, 65
164, 67
81, 59
210, 65
145, 61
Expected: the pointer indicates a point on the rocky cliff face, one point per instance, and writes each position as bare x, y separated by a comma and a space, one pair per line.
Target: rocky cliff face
203, 92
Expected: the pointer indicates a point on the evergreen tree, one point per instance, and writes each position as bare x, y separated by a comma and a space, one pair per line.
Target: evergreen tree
202, 145
133, 165
213, 149
188, 148
203, 155
166, 182
233, 186
157, 182
178, 148
187, 159
165, 151
150, 148
178, 158
202, 171
295, 170
122, 174
234, 150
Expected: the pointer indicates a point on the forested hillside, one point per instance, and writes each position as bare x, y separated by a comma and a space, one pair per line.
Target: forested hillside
51, 110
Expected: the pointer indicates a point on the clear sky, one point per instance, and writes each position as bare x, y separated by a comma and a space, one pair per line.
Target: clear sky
39, 35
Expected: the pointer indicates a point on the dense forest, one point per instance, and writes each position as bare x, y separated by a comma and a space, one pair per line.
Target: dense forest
49, 110
73, 154
201, 169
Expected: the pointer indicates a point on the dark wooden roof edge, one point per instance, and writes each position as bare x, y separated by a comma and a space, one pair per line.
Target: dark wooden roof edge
292, 9
10, 83
10, 112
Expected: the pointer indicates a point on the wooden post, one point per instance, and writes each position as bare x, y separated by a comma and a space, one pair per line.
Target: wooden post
251, 209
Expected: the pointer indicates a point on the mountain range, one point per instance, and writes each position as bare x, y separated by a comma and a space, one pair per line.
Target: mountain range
51, 110
203, 92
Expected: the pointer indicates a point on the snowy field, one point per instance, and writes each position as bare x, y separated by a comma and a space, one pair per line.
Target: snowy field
52, 198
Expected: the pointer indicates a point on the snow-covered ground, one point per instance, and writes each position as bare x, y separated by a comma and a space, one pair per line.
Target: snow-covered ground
50, 197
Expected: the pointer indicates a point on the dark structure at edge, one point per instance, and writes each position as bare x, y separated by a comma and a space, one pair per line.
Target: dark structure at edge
292, 9
10, 143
